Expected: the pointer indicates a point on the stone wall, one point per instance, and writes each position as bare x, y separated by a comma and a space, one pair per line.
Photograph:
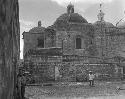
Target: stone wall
44, 72
31, 40
72, 68
72, 71
9, 47
109, 41
67, 39
50, 38
42, 67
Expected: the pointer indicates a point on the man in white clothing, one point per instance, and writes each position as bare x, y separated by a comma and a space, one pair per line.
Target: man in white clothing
91, 78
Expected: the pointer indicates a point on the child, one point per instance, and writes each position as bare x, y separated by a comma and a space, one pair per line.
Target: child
91, 78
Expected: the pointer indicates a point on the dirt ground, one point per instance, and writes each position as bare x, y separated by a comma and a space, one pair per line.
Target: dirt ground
101, 90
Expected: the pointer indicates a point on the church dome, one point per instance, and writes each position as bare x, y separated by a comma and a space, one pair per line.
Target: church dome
70, 17
73, 17
37, 29
121, 25
101, 20
106, 24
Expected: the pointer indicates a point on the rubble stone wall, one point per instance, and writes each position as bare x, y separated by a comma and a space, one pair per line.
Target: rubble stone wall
71, 71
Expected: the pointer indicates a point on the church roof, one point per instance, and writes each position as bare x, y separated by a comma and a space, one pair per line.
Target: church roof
101, 20
38, 29
121, 25
73, 17
106, 24
69, 17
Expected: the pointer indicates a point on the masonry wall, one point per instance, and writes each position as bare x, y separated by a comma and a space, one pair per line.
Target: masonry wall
110, 42
78, 71
70, 68
67, 39
31, 40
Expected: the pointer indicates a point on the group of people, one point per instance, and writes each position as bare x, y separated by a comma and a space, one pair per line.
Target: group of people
20, 85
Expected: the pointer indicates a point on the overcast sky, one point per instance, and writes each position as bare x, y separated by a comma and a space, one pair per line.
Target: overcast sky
31, 11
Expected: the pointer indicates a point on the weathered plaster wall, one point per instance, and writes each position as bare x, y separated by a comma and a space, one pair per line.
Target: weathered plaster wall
31, 40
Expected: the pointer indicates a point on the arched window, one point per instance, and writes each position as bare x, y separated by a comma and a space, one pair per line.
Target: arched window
78, 43
41, 43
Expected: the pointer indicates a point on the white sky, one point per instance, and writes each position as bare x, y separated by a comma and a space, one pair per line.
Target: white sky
63, 2
31, 11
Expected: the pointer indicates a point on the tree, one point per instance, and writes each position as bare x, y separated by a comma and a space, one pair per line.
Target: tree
9, 47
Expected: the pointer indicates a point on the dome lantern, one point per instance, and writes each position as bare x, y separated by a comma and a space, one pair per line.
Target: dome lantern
101, 20
70, 8
69, 17
101, 14
37, 29
39, 23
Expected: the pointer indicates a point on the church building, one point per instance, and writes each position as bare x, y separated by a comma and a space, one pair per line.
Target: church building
71, 47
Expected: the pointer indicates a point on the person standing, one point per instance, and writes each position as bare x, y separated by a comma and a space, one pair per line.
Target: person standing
19, 96
91, 78
23, 84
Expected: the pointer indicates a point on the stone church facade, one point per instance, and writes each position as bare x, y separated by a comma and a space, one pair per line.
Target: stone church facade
71, 47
